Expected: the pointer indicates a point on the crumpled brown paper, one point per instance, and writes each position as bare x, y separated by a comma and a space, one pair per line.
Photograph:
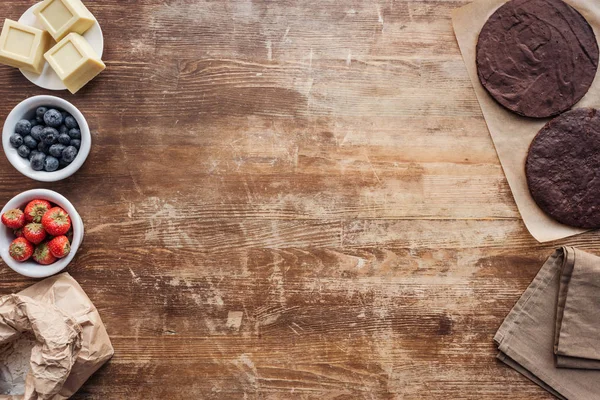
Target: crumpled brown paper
72, 342
511, 133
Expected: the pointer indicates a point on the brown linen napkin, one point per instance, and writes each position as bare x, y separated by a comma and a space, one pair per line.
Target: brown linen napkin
552, 334
577, 330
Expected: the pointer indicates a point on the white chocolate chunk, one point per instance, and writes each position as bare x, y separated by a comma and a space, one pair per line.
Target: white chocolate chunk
74, 61
61, 17
57, 14
23, 46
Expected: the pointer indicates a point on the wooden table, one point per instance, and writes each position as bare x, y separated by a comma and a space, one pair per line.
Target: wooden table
290, 200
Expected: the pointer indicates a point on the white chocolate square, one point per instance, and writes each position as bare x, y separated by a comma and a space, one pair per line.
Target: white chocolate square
74, 61
61, 17
23, 46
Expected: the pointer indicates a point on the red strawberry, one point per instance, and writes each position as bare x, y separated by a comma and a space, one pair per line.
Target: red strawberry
20, 249
18, 232
42, 254
56, 221
35, 233
13, 218
35, 210
59, 246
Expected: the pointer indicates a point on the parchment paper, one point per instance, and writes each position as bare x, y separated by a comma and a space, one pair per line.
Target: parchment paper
72, 340
511, 133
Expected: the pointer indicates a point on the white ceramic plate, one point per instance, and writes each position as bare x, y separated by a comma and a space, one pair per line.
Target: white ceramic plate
48, 78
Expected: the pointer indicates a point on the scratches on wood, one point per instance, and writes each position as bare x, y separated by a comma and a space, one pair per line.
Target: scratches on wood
290, 200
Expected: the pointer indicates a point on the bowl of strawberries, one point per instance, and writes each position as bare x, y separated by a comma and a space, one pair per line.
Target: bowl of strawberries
41, 232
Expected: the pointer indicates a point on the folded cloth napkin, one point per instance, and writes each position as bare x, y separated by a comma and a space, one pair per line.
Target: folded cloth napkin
552, 334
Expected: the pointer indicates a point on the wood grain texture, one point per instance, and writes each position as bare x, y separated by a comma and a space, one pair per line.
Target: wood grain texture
292, 199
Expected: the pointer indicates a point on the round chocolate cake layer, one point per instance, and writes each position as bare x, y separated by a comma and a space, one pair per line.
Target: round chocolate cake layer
537, 58
563, 168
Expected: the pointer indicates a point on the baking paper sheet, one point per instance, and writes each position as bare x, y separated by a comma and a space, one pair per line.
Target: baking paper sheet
511, 133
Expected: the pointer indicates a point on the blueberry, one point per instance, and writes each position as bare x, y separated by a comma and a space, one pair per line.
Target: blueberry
30, 142
71, 122
16, 140
49, 135
37, 162
32, 154
23, 151
51, 164
23, 127
76, 143
65, 139
53, 118
36, 132
69, 154
63, 129
34, 122
56, 150
43, 147
64, 114
39, 113
62, 163
75, 133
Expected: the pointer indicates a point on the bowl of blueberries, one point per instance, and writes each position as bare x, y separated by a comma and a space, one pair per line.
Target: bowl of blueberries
46, 138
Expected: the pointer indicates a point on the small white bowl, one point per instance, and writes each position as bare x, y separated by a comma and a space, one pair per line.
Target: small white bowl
30, 268
26, 110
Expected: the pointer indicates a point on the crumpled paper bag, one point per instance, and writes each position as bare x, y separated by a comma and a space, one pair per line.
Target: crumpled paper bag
72, 342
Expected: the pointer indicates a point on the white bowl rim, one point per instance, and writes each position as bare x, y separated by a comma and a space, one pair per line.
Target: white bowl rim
30, 268
32, 103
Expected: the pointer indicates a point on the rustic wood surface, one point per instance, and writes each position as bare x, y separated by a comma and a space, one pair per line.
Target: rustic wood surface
293, 199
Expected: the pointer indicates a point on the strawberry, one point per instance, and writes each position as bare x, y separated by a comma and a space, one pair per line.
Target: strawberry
13, 218
20, 249
18, 232
42, 254
34, 232
56, 221
59, 246
35, 210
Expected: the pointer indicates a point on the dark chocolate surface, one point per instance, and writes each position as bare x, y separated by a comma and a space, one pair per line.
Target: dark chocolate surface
563, 168
537, 58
